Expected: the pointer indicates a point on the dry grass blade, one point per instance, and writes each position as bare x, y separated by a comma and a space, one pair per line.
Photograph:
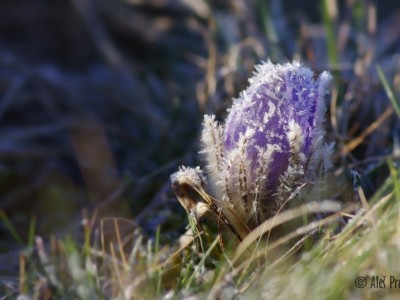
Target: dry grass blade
268, 225
261, 253
354, 143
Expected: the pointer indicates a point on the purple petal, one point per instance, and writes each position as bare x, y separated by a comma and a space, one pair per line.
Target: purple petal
277, 94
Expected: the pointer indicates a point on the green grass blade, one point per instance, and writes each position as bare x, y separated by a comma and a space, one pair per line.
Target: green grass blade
201, 263
32, 231
327, 18
11, 228
388, 90
156, 254
269, 28
395, 178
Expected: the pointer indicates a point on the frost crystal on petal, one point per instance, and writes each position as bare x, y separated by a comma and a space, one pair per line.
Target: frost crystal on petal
190, 175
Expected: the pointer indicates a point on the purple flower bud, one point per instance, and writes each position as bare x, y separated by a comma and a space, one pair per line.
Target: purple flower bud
271, 142
270, 145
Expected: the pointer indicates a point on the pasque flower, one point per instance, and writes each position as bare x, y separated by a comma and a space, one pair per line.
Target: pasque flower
270, 144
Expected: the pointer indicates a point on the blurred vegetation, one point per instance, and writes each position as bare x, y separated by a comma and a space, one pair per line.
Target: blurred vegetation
101, 100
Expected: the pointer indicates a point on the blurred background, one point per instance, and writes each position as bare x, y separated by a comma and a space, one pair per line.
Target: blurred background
101, 100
